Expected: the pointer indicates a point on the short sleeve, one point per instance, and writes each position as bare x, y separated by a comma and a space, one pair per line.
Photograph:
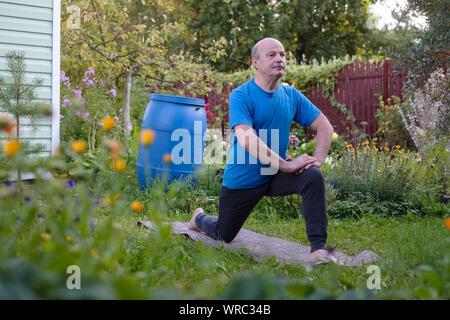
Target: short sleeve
306, 112
240, 112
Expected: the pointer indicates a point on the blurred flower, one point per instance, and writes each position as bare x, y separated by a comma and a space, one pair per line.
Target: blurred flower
61, 117
92, 225
71, 184
28, 200
9, 184
66, 102
167, 158
112, 93
100, 124
85, 115
334, 136
77, 113
114, 148
94, 253
11, 147
79, 146
120, 165
77, 92
116, 118
147, 137
108, 123
379, 171
447, 223
90, 83
45, 236
69, 238
137, 206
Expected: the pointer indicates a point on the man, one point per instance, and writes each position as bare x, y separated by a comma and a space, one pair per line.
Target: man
261, 113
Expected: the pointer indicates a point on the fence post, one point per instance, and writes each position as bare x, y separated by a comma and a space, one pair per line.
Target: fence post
385, 80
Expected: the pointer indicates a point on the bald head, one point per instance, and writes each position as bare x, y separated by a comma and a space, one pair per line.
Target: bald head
255, 49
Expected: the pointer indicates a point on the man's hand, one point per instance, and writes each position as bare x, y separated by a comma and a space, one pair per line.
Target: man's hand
298, 164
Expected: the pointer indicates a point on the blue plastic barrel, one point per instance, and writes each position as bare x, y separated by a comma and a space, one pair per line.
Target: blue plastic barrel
179, 124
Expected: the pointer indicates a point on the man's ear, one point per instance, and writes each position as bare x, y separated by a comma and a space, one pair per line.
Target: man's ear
254, 62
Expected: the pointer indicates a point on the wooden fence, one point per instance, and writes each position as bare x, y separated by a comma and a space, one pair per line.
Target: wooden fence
357, 86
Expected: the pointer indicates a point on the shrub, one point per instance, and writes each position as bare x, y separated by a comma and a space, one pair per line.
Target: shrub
391, 130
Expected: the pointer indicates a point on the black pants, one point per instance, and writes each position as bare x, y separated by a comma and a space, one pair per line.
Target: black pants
235, 205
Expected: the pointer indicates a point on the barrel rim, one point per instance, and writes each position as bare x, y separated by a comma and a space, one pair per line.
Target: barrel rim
177, 99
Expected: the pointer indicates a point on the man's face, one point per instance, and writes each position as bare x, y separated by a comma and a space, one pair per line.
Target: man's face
271, 62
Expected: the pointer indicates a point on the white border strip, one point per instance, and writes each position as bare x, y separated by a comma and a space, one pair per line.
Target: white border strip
56, 73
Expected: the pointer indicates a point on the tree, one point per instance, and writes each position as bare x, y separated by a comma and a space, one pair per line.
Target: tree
322, 29
113, 34
18, 98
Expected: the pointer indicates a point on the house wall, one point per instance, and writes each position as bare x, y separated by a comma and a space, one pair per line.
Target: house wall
32, 26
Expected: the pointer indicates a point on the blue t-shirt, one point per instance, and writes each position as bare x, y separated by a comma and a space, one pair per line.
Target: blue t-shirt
270, 114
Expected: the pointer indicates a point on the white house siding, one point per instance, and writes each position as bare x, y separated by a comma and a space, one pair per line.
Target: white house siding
32, 26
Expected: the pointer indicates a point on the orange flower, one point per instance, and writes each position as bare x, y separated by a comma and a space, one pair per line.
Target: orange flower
447, 223
108, 123
167, 158
79, 146
137, 206
147, 137
289, 156
120, 165
386, 148
6, 124
11, 148
389, 167
401, 160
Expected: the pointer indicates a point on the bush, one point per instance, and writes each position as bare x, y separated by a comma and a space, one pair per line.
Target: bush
391, 130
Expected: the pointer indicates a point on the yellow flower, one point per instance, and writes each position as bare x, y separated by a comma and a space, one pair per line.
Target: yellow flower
79, 146
94, 253
11, 147
389, 167
147, 137
45, 236
294, 154
397, 147
379, 171
69, 238
120, 165
167, 158
108, 123
137, 206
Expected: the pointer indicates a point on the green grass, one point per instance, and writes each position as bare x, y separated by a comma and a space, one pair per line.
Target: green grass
204, 272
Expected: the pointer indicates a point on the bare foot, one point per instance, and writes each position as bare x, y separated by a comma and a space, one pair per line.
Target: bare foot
191, 224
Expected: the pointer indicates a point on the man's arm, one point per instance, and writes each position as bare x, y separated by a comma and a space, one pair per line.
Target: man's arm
257, 148
324, 134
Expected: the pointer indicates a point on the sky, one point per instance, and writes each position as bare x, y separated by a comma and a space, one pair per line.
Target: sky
382, 9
